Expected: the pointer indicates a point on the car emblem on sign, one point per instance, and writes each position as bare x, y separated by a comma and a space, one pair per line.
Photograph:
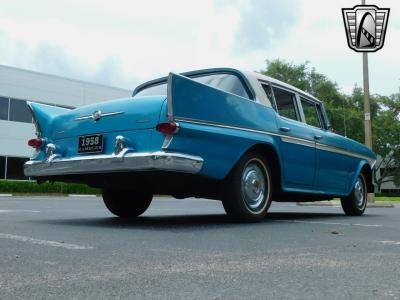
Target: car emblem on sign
365, 27
96, 115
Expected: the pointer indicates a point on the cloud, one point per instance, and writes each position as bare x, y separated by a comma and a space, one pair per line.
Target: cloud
53, 59
133, 41
263, 22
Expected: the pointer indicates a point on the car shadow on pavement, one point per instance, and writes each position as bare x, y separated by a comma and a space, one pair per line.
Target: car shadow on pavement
189, 221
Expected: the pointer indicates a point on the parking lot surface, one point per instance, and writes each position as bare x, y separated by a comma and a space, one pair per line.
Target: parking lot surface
73, 248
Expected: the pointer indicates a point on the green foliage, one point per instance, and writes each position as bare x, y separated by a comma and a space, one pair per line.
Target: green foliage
296, 75
388, 199
386, 139
346, 112
14, 186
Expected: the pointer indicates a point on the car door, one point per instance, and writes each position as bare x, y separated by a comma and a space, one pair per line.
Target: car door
332, 167
296, 143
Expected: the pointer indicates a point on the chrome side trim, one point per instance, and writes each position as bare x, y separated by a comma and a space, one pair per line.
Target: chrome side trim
88, 117
200, 122
123, 162
297, 141
285, 138
371, 161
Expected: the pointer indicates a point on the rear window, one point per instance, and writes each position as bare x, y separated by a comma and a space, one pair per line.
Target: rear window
226, 82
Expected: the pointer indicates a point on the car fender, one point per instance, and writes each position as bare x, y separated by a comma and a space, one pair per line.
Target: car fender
353, 180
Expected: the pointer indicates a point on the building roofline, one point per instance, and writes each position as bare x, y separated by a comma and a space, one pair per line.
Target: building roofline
65, 78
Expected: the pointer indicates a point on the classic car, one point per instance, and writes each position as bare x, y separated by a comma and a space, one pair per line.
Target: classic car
236, 136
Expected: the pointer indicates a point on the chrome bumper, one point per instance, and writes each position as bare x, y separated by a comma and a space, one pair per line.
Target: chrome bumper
123, 162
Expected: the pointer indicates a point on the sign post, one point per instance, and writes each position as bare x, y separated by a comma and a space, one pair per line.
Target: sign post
367, 109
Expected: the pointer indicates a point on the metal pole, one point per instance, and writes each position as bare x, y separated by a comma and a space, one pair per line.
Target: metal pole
367, 108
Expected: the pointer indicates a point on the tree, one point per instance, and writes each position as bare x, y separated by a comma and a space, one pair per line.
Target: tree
386, 140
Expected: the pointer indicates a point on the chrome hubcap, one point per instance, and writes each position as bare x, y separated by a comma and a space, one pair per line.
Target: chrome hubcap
359, 192
253, 186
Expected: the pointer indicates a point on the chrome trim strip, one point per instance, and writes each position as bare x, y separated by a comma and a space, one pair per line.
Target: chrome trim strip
199, 122
170, 113
87, 117
297, 141
284, 138
167, 141
333, 149
123, 162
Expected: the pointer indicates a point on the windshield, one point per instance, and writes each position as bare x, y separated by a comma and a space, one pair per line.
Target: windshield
226, 82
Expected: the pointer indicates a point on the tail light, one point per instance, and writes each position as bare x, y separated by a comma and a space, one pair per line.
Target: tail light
36, 143
168, 128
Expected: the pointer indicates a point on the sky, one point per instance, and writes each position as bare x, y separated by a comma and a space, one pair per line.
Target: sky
124, 43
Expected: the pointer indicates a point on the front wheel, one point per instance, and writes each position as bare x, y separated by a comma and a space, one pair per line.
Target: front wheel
126, 203
356, 202
248, 189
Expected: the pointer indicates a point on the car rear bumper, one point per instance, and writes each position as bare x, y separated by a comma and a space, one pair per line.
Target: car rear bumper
124, 162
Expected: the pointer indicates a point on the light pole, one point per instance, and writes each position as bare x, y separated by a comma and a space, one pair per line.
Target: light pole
367, 107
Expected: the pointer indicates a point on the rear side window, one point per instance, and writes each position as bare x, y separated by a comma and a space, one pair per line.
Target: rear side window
285, 103
227, 82
310, 113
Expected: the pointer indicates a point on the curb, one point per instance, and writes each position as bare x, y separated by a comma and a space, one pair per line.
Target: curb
6, 195
381, 205
332, 204
82, 196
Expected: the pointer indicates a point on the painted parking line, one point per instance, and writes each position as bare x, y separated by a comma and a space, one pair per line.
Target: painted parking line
30, 240
3, 211
330, 223
390, 242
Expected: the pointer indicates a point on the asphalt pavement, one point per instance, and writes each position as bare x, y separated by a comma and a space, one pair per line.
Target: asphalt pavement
73, 248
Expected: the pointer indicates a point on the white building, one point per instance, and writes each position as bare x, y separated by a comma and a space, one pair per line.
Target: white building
16, 128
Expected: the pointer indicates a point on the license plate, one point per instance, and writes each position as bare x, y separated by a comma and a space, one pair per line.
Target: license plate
90, 143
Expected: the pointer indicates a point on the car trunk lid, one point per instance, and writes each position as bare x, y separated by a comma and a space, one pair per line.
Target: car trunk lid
117, 115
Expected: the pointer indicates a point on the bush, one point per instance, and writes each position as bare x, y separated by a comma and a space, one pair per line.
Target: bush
15, 186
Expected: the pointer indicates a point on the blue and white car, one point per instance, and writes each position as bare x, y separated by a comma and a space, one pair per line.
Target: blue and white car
225, 134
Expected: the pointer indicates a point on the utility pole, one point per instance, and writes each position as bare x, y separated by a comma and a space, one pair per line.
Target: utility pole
367, 108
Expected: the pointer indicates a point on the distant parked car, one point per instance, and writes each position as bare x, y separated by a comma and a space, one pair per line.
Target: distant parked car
224, 134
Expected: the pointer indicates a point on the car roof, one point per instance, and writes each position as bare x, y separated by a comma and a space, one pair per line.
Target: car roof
252, 77
262, 77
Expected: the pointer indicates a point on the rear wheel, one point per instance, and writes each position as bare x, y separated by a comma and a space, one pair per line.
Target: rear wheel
356, 202
247, 194
127, 203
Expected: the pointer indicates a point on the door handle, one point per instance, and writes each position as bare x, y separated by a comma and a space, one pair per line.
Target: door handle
318, 137
284, 129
